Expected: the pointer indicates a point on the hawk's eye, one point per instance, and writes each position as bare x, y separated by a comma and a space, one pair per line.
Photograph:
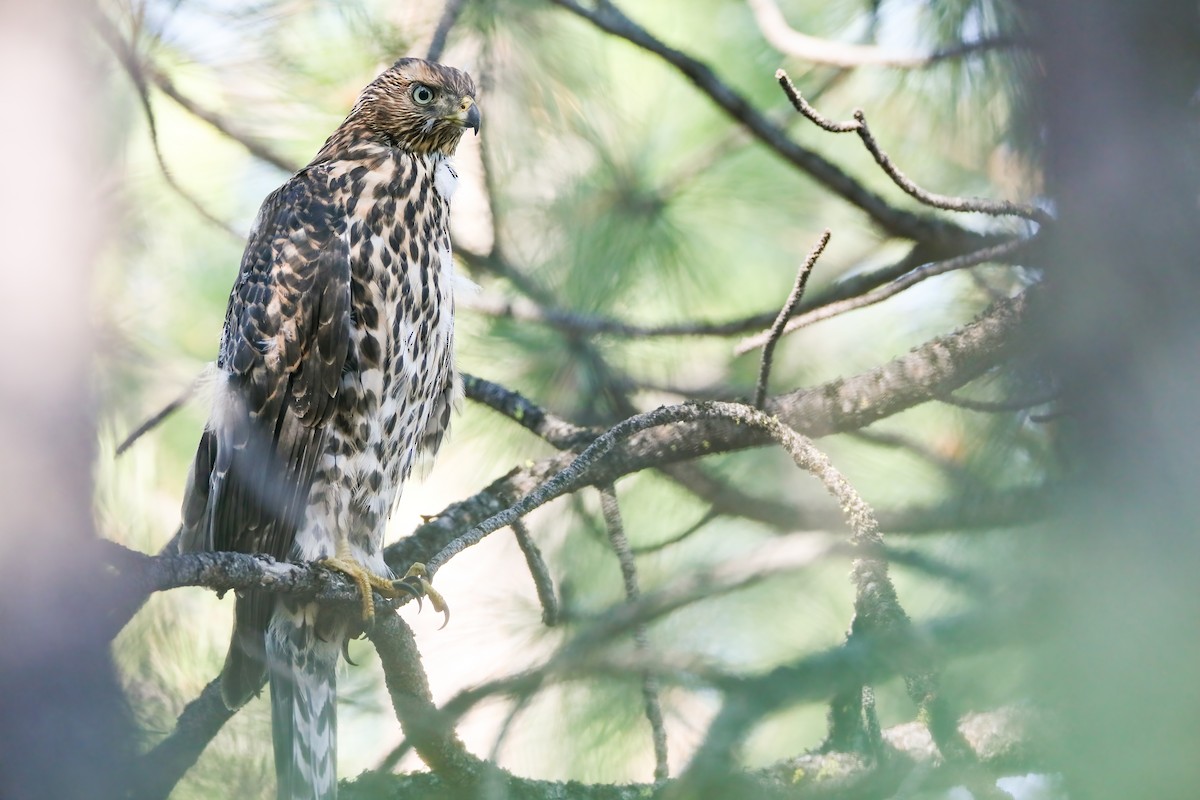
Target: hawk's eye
422, 95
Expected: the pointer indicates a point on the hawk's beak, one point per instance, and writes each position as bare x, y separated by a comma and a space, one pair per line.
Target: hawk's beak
468, 114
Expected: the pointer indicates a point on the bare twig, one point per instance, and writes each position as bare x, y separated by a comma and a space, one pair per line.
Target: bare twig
786, 39
582, 654
764, 370
537, 306
874, 656
555, 430
136, 70
1008, 508
130, 61
881, 293
1000, 406
542, 581
948, 466
708, 517
725, 499
611, 509
158, 418
997, 208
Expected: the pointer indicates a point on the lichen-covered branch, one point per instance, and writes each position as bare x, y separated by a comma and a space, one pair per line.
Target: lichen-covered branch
846, 404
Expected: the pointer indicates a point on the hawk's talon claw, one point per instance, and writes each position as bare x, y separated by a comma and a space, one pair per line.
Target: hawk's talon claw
415, 591
416, 582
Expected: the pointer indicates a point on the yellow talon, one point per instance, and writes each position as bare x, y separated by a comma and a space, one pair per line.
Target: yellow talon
364, 579
416, 582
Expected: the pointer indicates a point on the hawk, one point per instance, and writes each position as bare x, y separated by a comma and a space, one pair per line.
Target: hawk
335, 371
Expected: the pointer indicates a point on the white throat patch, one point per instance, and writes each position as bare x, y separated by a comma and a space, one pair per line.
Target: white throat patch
445, 179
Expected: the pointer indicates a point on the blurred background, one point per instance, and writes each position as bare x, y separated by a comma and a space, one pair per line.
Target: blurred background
605, 185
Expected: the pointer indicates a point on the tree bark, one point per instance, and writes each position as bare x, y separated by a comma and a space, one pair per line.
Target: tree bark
1124, 280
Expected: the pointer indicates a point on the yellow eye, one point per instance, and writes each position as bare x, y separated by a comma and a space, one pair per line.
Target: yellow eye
422, 95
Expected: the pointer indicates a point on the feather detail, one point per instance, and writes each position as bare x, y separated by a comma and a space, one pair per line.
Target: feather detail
302, 668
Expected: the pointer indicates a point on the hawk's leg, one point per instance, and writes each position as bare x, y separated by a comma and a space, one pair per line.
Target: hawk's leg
363, 578
415, 582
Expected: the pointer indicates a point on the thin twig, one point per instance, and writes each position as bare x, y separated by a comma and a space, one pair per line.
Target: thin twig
952, 469
764, 369
129, 60
158, 418
610, 507
845, 55
881, 293
646, 549
896, 651
542, 582
581, 653
136, 70
806, 110
995, 208
1000, 406
726, 499
557, 431
580, 323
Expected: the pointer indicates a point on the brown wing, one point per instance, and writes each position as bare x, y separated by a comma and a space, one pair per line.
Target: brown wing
283, 349
284, 346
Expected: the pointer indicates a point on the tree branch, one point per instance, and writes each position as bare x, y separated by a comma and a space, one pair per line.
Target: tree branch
996, 208
896, 222
930, 371
165, 764
425, 728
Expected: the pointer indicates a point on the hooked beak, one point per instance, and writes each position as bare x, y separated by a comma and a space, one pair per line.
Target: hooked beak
468, 114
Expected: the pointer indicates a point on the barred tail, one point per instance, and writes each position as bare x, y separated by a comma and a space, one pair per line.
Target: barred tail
303, 674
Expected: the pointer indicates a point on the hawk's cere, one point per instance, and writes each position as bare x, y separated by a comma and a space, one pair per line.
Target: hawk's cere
336, 369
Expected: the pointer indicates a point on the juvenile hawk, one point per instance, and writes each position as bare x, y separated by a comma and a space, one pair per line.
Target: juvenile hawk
336, 369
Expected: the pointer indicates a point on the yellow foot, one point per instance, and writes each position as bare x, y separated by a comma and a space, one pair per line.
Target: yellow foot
364, 579
416, 582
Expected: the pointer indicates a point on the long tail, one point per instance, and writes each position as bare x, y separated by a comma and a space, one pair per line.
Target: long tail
302, 667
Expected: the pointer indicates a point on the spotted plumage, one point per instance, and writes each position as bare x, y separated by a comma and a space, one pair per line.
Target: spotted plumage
335, 372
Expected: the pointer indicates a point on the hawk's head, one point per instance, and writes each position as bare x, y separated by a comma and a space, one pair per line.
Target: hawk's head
420, 106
